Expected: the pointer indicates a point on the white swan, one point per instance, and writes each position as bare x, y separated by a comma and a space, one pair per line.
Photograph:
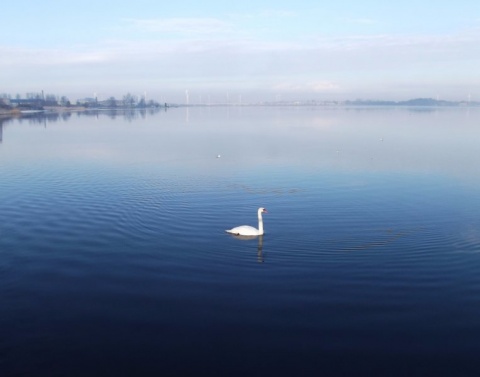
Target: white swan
247, 230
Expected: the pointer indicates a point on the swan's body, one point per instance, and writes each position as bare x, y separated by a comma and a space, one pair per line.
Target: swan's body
247, 230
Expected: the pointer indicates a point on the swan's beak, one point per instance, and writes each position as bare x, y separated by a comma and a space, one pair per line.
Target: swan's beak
264, 210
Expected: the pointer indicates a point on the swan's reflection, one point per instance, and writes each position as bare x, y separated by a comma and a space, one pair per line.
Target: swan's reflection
260, 258
260, 249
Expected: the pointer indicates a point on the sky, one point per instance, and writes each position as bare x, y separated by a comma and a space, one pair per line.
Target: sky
241, 52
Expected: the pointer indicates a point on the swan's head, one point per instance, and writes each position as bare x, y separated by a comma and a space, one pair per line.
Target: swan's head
262, 210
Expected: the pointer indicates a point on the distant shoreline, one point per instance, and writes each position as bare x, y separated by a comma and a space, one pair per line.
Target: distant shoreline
418, 103
56, 109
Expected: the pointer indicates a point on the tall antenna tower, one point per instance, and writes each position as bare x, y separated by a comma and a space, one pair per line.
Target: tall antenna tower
187, 100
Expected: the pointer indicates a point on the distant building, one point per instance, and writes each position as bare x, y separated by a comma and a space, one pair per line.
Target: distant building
29, 104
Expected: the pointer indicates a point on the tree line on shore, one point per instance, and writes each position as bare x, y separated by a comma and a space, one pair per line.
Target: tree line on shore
38, 101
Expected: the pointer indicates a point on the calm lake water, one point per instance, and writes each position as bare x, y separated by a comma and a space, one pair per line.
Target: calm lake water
114, 260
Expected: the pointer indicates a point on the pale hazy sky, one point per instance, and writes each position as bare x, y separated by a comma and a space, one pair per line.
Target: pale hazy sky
246, 50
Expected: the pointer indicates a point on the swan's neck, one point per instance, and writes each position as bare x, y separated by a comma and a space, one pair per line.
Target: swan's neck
260, 223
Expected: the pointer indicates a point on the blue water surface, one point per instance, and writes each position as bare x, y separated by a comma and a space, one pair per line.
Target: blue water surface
114, 260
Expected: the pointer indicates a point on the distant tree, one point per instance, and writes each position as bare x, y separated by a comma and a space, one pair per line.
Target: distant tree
64, 101
35, 96
142, 104
112, 102
4, 103
129, 100
51, 100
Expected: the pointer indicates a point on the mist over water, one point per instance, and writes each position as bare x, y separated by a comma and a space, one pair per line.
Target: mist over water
114, 259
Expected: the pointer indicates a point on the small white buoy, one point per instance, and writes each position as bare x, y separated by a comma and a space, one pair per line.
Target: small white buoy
218, 156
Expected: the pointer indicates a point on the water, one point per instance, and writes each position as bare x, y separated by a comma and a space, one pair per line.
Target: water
114, 260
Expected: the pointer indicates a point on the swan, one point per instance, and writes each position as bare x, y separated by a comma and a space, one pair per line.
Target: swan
247, 230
